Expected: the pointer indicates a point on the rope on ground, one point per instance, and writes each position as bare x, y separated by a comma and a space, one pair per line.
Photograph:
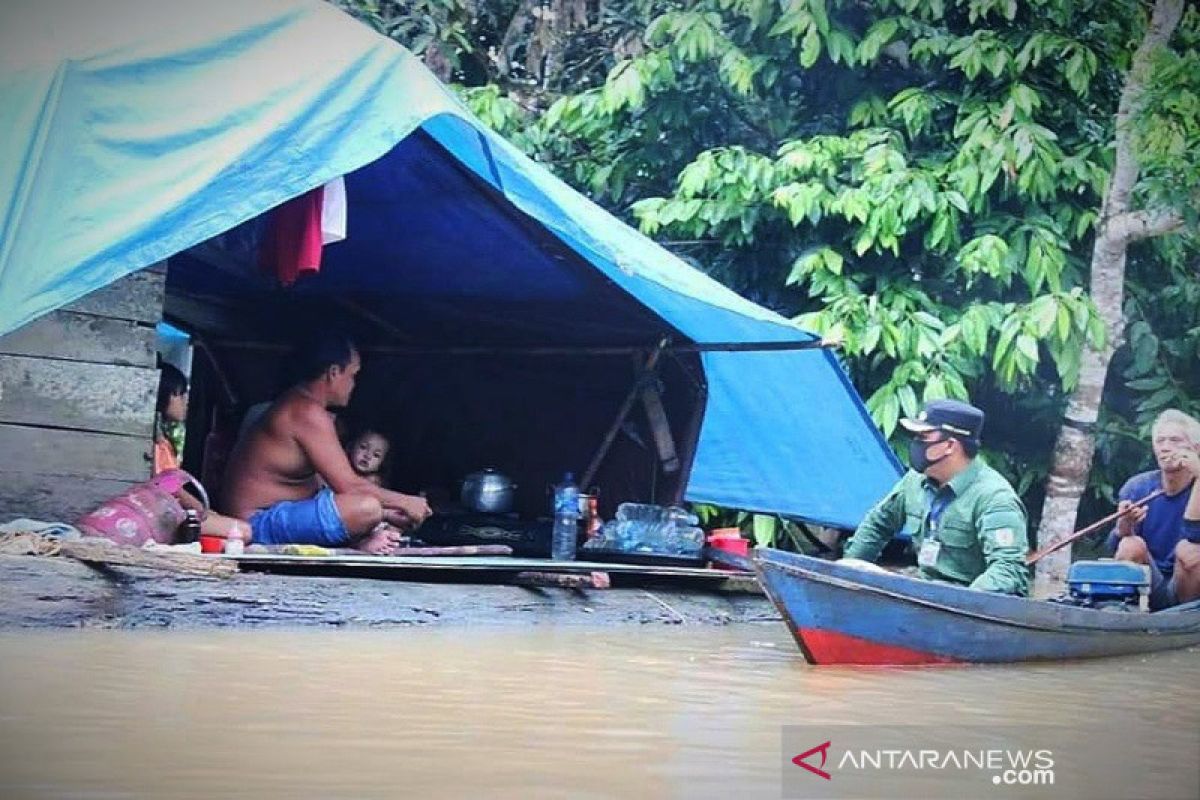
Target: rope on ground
678, 614
24, 543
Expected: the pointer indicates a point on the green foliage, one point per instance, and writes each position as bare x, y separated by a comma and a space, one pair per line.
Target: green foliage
763, 530
1169, 140
919, 177
419, 24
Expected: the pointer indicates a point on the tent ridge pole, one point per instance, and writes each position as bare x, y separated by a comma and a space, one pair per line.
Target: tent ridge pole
551, 350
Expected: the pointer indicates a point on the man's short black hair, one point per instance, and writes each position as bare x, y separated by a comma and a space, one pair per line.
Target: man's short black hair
317, 352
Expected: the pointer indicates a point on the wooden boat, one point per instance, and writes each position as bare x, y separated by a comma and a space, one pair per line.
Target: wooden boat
840, 614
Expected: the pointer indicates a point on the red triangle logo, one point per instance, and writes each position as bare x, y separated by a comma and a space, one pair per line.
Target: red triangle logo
823, 749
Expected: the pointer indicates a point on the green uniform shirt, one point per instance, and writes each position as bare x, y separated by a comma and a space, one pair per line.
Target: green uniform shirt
981, 528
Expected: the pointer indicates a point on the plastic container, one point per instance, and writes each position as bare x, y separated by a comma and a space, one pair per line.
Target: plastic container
212, 544
728, 540
641, 528
564, 537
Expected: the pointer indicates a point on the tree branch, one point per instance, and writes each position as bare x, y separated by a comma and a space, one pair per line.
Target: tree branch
1163, 21
1134, 226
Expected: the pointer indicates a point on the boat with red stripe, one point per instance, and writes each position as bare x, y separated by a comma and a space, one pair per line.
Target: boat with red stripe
839, 614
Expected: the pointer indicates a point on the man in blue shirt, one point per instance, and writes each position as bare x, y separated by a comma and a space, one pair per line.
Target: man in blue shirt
1165, 534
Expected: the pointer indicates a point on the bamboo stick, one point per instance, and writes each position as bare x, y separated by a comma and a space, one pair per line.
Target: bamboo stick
1033, 558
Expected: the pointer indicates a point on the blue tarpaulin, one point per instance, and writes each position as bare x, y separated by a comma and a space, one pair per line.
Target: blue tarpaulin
137, 129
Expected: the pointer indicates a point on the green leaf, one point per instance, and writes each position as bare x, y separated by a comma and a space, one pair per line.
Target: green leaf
1145, 350
957, 200
840, 47
762, 527
865, 240
935, 388
1159, 400
908, 400
889, 413
1063, 322
1067, 361
810, 50
870, 337
820, 15
1025, 98
1027, 345
876, 37
833, 261
1148, 384
975, 331
1008, 332
1044, 314
1095, 332
624, 87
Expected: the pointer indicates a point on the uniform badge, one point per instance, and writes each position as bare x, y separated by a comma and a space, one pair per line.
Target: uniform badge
1006, 537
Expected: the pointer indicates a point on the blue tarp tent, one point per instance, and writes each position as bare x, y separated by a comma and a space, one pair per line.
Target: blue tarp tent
135, 130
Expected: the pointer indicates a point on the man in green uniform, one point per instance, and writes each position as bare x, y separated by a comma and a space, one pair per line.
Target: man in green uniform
967, 523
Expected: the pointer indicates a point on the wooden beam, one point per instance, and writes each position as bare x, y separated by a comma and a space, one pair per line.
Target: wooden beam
379, 322
137, 297
51, 452
592, 580
101, 552
72, 336
209, 316
639, 382
660, 427
583, 350
691, 439
76, 395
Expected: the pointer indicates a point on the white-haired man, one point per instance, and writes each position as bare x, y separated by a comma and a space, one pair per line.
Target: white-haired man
1165, 534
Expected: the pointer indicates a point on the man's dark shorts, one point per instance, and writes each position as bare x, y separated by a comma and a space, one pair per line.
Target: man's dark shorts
312, 521
1162, 589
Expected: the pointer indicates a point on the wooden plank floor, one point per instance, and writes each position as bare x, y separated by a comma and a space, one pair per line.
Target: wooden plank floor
495, 565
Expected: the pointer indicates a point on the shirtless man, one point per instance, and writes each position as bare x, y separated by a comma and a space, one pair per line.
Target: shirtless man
275, 473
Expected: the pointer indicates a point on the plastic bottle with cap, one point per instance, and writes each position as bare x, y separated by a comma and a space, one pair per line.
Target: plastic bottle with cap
235, 542
564, 536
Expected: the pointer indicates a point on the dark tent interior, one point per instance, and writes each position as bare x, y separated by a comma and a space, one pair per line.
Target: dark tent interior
487, 342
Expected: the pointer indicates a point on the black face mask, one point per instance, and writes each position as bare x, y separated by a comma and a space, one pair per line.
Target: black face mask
916, 453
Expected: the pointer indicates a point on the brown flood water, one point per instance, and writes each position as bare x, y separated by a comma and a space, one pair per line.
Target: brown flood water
479, 712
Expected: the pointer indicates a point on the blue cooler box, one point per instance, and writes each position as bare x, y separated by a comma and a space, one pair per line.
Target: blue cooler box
1107, 580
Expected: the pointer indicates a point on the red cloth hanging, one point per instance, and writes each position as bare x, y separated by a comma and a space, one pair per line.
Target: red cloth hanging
291, 244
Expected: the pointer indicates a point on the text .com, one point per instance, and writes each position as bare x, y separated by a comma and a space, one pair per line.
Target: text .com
1024, 777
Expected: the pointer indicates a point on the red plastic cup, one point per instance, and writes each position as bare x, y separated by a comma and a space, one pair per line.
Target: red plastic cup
212, 544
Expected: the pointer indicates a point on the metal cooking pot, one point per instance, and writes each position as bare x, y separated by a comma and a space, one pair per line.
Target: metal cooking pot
488, 492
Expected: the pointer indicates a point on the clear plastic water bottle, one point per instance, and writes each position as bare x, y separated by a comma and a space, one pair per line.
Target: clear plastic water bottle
565, 535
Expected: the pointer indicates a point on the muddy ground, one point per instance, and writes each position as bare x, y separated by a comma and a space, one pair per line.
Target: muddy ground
57, 592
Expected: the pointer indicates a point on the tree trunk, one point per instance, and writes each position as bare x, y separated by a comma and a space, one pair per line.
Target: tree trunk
1118, 227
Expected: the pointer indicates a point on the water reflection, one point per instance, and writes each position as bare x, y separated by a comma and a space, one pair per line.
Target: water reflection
538, 712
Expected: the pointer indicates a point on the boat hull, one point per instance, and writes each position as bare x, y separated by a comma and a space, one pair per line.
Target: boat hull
842, 615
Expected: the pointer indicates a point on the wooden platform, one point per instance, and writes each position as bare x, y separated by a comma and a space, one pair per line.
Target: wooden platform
475, 568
